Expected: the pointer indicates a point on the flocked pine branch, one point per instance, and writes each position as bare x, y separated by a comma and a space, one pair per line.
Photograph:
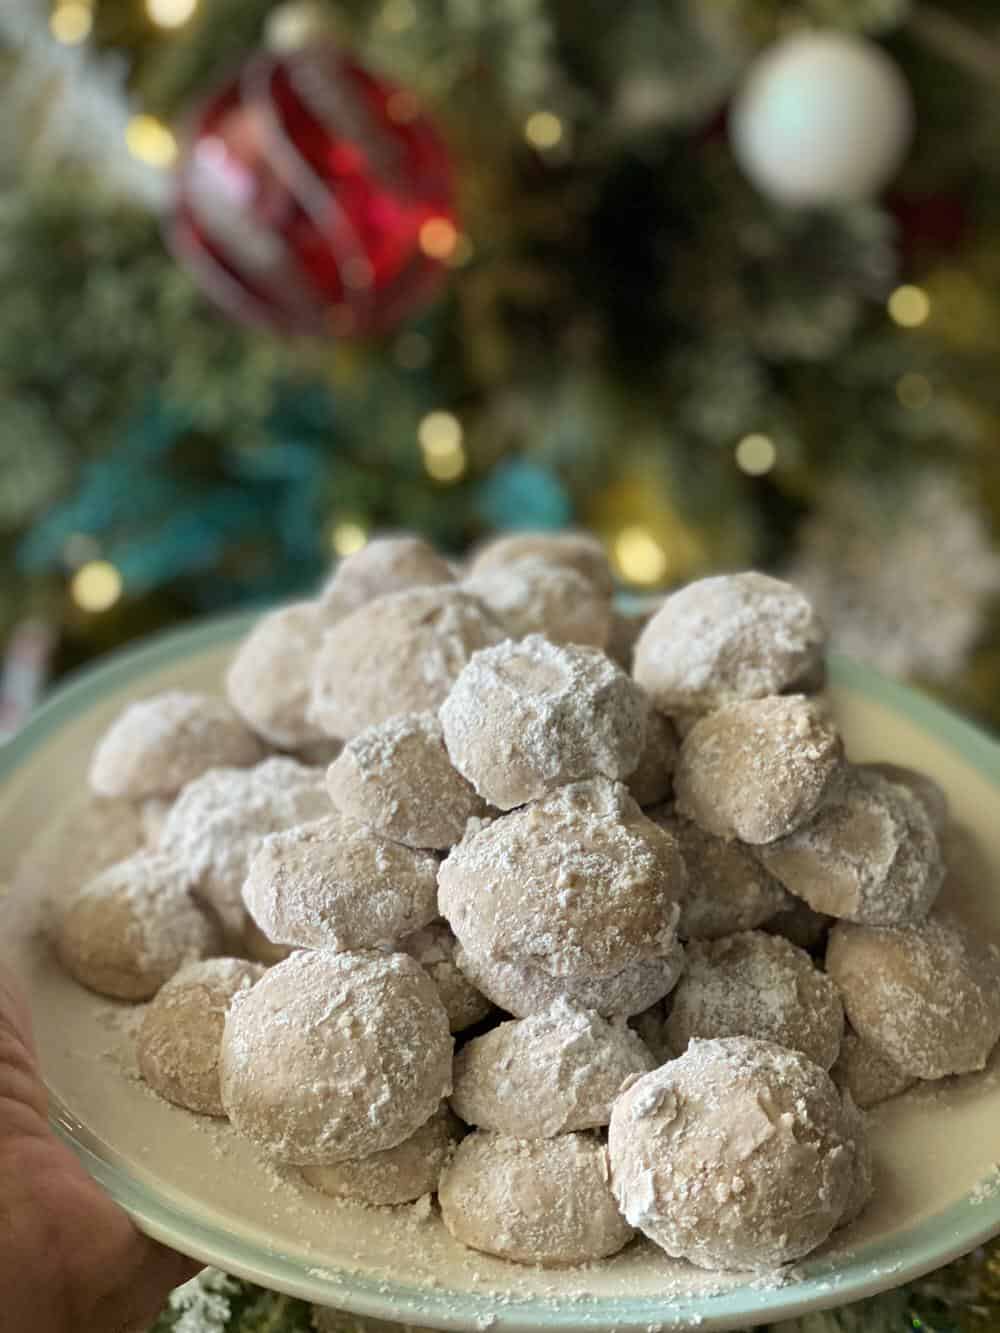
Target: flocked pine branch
63, 104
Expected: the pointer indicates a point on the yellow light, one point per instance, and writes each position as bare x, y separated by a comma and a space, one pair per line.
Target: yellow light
96, 586
755, 455
438, 238
914, 390
70, 22
639, 556
170, 13
909, 306
440, 434
150, 141
543, 129
348, 537
440, 437
398, 15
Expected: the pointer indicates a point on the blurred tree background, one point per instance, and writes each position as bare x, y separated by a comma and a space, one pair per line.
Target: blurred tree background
716, 278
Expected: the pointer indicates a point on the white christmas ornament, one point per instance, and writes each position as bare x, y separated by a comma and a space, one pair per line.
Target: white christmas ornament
822, 118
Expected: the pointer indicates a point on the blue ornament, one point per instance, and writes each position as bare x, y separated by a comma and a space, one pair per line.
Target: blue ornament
519, 494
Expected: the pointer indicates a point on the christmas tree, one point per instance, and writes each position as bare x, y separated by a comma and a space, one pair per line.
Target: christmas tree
716, 278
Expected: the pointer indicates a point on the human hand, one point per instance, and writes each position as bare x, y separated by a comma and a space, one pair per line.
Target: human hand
70, 1260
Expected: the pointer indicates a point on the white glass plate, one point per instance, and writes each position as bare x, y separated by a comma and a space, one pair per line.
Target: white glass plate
193, 1184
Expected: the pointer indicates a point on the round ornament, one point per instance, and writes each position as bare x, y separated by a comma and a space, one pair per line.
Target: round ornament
313, 196
823, 118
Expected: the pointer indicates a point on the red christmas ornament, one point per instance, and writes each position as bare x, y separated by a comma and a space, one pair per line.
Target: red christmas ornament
314, 197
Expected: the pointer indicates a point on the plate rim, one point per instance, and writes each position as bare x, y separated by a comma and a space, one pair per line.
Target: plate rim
825, 1283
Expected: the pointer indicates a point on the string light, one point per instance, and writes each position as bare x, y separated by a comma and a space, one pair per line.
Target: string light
639, 556
96, 586
70, 22
348, 536
914, 390
756, 454
543, 129
170, 13
440, 437
150, 141
909, 306
438, 238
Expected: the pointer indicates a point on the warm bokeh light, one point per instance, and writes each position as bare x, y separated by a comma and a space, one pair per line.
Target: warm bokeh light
96, 586
543, 129
909, 306
438, 238
440, 438
150, 141
70, 22
639, 556
347, 537
170, 13
756, 454
440, 433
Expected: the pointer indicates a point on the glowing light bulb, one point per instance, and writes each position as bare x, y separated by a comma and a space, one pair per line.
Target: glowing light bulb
438, 238
70, 22
909, 306
440, 437
639, 556
170, 13
96, 586
150, 141
756, 454
543, 129
347, 537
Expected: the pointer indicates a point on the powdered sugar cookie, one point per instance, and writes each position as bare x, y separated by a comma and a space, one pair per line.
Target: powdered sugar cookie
384, 565
216, 824
757, 769
157, 745
737, 1155
536, 1201
398, 654
577, 550
727, 888
132, 927
870, 854
335, 1056
259, 949
756, 985
926, 997
434, 947
536, 597
652, 779
88, 835
334, 884
180, 1039
522, 989
396, 1175
524, 718
546, 1075
578, 884
270, 677
735, 636
926, 790
396, 777
865, 1074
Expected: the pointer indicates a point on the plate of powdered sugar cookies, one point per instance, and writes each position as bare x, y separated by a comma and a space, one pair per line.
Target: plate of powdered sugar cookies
461, 947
